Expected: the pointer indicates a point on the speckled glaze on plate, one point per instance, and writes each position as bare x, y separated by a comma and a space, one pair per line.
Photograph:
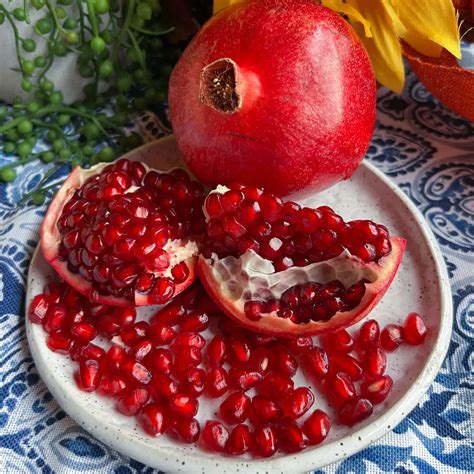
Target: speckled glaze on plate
420, 285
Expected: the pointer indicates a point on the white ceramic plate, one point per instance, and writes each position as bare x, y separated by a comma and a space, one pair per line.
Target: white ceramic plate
421, 285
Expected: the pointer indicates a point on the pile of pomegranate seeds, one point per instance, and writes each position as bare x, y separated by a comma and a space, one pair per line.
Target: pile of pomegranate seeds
115, 229
244, 218
309, 302
163, 367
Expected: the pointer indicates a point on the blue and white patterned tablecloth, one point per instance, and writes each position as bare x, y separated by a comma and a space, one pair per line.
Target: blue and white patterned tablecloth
429, 152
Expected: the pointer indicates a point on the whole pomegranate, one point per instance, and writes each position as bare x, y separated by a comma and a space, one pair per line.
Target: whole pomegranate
273, 93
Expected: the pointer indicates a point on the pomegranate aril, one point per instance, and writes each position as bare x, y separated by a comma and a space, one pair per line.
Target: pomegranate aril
183, 405
316, 362
355, 411
391, 337
213, 205
255, 309
299, 345
240, 440
298, 402
347, 364
194, 322
141, 349
217, 382
180, 272
88, 376
260, 340
161, 333
186, 357
216, 350
131, 335
369, 334
243, 379
316, 427
340, 341
115, 357
133, 401
55, 319
136, 372
185, 430
290, 436
235, 408
192, 382
38, 308
152, 419
265, 441
215, 435
162, 291
375, 362
163, 386
59, 343
170, 314
239, 350
414, 330
283, 362
275, 386
340, 388
112, 385
377, 389
83, 332
159, 361
189, 339
265, 410
308, 220
89, 351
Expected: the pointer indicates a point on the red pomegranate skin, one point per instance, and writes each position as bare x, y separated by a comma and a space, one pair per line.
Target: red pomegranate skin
307, 98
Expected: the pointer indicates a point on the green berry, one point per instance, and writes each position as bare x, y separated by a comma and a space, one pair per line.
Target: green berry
28, 45
12, 135
26, 85
32, 139
107, 36
44, 26
40, 61
56, 98
17, 100
106, 69
38, 198
64, 119
64, 154
98, 44
133, 56
60, 13
122, 102
24, 149
46, 85
88, 150
85, 71
38, 4
3, 111
28, 67
19, 14
124, 83
8, 174
106, 154
120, 118
144, 11
71, 37
47, 156
25, 127
90, 131
60, 49
75, 145
102, 6
58, 144
70, 24
51, 136
9, 147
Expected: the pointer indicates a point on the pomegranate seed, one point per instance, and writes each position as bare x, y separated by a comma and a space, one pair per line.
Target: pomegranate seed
190, 339
90, 351
115, 357
108, 326
193, 382
340, 341
260, 361
215, 435
290, 436
55, 290
186, 357
88, 376
355, 411
298, 402
162, 291
239, 350
300, 345
377, 390
369, 334
216, 350
265, 410
316, 427
258, 340
180, 272
160, 361
136, 372
414, 330
38, 308
375, 362
316, 362
112, 385
346, 363
133, 401
55, 319
254, 309
83, 332
235, 408
161, 333
125, 316
59, 343
266, 441
152, 418
185, 430
171, 315
283, 362
194, 322
163, 386
133, 334
340, 388
217, 382
275, 385
271, 207
213, 205
240, 440
391, 337
243, 379
183, 405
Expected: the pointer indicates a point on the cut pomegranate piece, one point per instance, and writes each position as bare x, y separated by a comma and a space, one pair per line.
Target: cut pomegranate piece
377, 390
391, 337
122, 234
290, 436
235, 408
414, 330
334, 272
240, 440
184, 429
316, 427
266, 441
152, 419
215, 435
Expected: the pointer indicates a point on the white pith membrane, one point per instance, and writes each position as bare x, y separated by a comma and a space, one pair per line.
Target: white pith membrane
179, 250
252, 277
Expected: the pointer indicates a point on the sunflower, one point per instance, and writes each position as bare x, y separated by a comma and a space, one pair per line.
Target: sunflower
428, 26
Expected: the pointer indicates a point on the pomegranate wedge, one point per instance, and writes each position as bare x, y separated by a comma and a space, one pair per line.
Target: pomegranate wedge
288, 271
121, 234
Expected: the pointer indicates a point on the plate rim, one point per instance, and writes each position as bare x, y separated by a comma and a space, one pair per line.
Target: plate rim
307, 460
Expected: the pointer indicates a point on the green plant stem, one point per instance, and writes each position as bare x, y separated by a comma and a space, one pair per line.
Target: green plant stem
27, 12
152, 33
92, 17
15, 32
137, 48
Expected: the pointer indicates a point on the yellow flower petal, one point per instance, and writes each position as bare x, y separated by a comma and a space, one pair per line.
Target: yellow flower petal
220, 4
430, 25
342, 7
384, 47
